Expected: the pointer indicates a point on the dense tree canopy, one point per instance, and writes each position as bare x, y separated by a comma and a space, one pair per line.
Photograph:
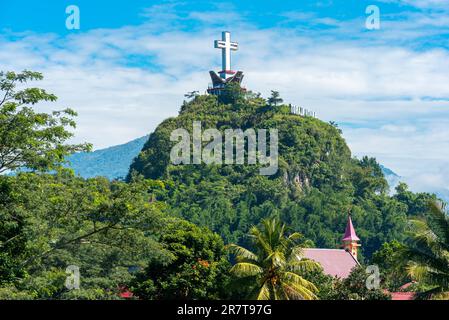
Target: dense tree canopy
197, 268
317, 183
31, 139
162, 234
53, 221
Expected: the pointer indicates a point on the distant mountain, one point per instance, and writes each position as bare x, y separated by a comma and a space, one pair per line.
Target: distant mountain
112, 162
443, 194
392, 178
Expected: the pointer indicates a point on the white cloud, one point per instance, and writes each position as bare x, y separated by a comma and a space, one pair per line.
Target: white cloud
432, 4
371, 83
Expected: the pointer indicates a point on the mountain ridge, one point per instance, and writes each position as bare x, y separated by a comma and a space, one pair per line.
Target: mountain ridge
112, 162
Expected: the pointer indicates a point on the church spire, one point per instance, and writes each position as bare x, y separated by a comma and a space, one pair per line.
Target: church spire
350, 234
350, 238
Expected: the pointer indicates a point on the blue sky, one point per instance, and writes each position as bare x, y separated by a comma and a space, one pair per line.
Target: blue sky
131, 62
104, 14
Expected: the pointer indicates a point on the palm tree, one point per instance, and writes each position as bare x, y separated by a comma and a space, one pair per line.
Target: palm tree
427, 254
275, 266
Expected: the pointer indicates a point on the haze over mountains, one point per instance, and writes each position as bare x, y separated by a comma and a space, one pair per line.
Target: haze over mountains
112, 162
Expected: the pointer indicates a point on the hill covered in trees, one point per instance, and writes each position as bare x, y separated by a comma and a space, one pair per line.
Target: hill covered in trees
114, 162
317, 184
131, 237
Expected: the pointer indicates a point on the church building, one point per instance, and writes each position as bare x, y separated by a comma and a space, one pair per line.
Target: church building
338, 262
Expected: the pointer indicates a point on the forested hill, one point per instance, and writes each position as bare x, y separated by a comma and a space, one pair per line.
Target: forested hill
316, 185
114, 162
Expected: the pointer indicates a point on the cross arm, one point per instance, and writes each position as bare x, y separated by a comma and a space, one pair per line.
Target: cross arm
220, 44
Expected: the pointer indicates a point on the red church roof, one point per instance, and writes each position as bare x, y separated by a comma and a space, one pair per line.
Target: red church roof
350, 232
402, 295
125, 293
335, 262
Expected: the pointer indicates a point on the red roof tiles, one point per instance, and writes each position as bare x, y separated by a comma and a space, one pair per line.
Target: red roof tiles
402, 295
335, 262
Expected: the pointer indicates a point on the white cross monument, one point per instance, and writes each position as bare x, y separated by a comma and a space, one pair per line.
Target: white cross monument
226, 46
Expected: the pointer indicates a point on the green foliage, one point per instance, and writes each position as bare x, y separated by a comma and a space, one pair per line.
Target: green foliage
368, 178
196, 270
12, 293
274, 269
426, 254
105, 228
315, 186
417, 203
354, 287
325, 284
191, 94
133, 234
393, 277
275, 98
27, 138
231, 94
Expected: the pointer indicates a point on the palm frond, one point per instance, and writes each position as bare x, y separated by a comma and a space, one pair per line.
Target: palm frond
295, 236
242, 253
293, 278
274, 263
423, 255
277, 259
296, 252
264, 293
304, 265
260, 241
440, 223
426, 255
417, 271
298, 292
245, 269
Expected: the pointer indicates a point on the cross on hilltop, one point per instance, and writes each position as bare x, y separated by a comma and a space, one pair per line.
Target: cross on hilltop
226, 47
226, 73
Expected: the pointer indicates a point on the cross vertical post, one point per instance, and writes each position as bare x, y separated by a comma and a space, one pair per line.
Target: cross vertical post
226, 47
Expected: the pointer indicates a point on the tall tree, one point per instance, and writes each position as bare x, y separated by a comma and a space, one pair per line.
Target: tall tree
427, 254
275, 266
393, 277
196, 270
231, 94
28, 138
275, 98
48, 222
